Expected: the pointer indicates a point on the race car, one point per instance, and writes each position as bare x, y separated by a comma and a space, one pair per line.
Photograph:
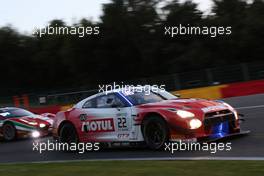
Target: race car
20, 123
153, 118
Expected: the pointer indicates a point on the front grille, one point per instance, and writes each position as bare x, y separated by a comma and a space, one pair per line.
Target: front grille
215, 118
217, 113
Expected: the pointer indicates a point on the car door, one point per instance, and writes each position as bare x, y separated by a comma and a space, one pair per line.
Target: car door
108, 119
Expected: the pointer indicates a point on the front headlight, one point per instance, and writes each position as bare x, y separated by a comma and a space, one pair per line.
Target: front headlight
35, 134
184, 114
42, 125
195, 124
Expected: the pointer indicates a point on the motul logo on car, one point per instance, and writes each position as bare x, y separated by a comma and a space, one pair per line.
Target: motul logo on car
100, 125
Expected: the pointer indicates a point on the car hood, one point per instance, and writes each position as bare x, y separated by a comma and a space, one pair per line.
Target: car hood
205, 105
34, 119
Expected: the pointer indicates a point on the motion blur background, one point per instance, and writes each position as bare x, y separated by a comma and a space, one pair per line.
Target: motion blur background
133, 49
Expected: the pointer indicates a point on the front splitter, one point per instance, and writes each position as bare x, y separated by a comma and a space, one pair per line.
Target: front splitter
226, 136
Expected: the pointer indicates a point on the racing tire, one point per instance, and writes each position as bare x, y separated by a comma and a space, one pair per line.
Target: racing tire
155, 132
68, 134
9, 132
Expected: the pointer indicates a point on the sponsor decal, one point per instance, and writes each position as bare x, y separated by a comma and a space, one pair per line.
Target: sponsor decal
123, 136
83, 117
98, 125
213, 108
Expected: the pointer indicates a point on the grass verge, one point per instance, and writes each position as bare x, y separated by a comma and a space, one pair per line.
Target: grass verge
132, 168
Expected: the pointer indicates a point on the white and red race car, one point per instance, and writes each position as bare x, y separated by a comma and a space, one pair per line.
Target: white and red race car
150, 117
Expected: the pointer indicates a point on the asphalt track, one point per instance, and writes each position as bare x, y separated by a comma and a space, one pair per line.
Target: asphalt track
250, 146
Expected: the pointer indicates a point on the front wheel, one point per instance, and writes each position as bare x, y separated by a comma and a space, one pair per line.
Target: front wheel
155, 132
68, 134
9, 132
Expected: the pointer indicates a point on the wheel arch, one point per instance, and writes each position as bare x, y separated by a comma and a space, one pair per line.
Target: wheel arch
151, 114
8, 122
63, 123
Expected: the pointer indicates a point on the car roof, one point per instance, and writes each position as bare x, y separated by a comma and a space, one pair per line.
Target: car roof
80, 103
9, 108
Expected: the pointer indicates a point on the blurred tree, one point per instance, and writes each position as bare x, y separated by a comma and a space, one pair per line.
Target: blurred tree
252, 48
181, 52
131, 45
228, 50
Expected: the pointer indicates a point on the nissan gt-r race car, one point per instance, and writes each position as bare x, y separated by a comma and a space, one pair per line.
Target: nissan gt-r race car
20, 123
150, 117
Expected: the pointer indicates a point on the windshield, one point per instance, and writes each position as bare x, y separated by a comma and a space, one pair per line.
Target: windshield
138, 98
11, 113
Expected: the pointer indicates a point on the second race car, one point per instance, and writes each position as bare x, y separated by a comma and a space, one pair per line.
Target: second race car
20, 123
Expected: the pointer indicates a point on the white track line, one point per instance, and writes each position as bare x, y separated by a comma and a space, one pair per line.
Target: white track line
149, 159
250, 107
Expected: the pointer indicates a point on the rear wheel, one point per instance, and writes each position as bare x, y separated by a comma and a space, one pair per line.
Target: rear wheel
68, 134
155, 132
9, 132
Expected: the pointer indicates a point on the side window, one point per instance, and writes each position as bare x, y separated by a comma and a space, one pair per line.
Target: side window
89, 104
109, 101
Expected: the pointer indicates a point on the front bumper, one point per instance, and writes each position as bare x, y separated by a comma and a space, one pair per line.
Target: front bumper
32, 133
210, 138
225, 128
